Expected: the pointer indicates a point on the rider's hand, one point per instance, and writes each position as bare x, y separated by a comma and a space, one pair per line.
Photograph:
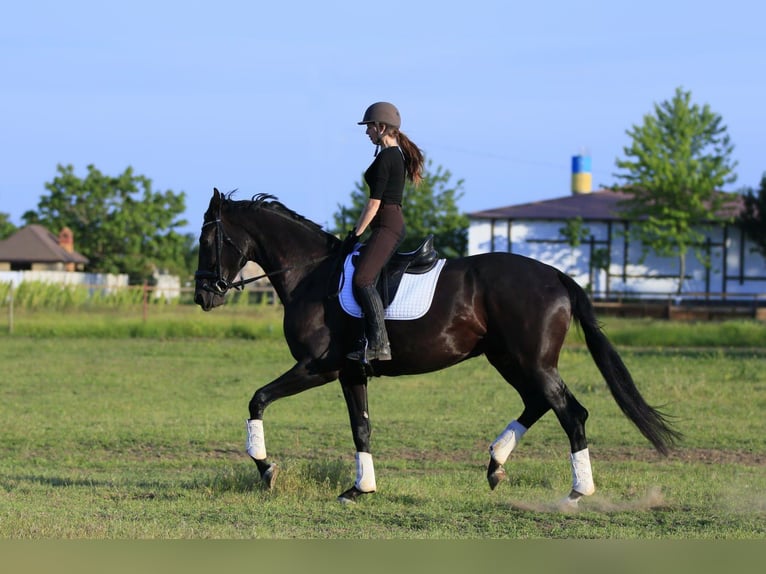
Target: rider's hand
349, 242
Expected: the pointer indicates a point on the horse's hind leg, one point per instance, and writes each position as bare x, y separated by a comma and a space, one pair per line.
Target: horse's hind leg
502, 447
540, 391
535, 406
572, 416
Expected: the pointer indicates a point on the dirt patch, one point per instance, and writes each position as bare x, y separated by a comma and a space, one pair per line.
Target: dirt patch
648, 454
703, 455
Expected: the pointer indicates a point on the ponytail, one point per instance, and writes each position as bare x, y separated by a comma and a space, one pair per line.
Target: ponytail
413, 159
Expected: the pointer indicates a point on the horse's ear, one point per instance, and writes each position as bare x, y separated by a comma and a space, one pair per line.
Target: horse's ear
216, 199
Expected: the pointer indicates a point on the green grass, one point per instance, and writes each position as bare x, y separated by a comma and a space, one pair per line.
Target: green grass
154, 321
141, 437
259, 321
660, 333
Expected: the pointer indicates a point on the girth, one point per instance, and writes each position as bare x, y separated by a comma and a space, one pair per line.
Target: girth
418, 261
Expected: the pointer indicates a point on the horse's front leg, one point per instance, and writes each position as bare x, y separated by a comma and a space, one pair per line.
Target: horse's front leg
294, 381
354, 387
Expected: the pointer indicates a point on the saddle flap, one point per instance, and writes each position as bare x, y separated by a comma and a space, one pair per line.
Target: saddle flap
413, 295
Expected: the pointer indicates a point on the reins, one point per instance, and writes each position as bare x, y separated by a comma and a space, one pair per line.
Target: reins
242, 282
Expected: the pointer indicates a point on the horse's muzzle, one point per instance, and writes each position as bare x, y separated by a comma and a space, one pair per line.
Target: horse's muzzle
207, 298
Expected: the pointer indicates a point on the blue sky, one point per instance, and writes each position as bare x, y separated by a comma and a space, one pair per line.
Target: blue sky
265, 96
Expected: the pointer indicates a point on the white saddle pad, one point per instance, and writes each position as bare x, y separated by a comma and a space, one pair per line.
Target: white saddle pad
412, 300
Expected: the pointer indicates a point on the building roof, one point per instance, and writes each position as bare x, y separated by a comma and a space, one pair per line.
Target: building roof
602, 205
35, 244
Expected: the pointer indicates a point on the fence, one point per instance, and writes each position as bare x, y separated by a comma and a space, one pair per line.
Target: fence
145, 299
684, 306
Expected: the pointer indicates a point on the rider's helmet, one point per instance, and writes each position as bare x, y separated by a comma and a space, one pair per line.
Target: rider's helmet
382, 113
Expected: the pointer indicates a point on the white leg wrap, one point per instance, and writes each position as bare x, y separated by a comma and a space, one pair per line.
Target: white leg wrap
582, 475
256, 443
365, 472
504, 444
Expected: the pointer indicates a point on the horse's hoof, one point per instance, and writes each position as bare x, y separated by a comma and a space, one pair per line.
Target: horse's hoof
268, 471
351, 495
269, 475
495, 473
496, 477
570, 503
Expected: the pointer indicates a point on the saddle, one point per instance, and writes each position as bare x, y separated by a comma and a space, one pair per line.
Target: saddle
416, 262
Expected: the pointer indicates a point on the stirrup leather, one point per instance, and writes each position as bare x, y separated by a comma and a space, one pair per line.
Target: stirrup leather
360, 353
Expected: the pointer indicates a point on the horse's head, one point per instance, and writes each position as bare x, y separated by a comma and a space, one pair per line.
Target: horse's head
221, 257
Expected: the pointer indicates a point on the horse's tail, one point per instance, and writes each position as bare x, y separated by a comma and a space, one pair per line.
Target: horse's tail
652, 423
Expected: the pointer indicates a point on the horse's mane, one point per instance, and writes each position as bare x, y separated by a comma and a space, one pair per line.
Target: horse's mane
271, 203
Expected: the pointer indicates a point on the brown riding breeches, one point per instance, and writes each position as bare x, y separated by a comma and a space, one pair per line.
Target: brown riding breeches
387, 234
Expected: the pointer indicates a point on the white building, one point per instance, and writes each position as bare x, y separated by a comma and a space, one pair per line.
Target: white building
607, 262
34, 254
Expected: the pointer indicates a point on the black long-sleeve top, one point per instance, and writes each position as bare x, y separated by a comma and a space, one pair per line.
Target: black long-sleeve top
385, 176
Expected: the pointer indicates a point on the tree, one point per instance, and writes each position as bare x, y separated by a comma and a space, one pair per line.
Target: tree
575, 232
679, 159
6, 227
430, 207
119, 223
753, 217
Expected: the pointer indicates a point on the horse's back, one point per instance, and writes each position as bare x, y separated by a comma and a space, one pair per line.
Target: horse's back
498, 270
514, 289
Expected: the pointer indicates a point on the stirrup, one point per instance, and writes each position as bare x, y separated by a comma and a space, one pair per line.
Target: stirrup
364, 353
380, 354
360, 353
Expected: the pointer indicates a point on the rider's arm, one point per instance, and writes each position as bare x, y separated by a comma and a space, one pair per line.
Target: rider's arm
367, 215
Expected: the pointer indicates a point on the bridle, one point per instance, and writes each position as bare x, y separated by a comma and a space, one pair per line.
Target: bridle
217, 283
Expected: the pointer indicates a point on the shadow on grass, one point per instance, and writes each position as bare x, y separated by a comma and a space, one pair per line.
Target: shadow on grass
113, 490
11, 482
291, 477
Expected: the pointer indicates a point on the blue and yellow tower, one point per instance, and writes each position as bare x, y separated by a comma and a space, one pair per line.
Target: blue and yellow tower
582, 179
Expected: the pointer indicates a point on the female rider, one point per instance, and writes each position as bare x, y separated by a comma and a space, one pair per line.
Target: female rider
396, 158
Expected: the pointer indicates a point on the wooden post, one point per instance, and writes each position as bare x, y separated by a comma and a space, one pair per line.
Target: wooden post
10, 310
145, 299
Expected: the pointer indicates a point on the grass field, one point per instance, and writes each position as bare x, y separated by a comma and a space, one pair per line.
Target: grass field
126, 437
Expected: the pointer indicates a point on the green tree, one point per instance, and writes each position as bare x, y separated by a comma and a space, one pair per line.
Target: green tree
753, 217
678, 160
119, 223
430, 207
7, 228
574, 232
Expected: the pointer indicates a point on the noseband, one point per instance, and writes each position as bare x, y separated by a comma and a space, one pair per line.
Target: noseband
216, 282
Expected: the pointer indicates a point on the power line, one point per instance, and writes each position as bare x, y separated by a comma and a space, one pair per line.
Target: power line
508, 158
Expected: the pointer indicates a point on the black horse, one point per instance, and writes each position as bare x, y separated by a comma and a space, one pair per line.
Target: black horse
514, 310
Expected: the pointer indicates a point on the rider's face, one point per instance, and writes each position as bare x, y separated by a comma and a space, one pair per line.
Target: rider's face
373, 133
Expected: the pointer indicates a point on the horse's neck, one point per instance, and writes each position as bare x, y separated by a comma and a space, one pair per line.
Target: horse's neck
286, 250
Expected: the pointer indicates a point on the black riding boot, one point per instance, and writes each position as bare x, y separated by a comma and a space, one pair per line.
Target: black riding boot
376, 346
